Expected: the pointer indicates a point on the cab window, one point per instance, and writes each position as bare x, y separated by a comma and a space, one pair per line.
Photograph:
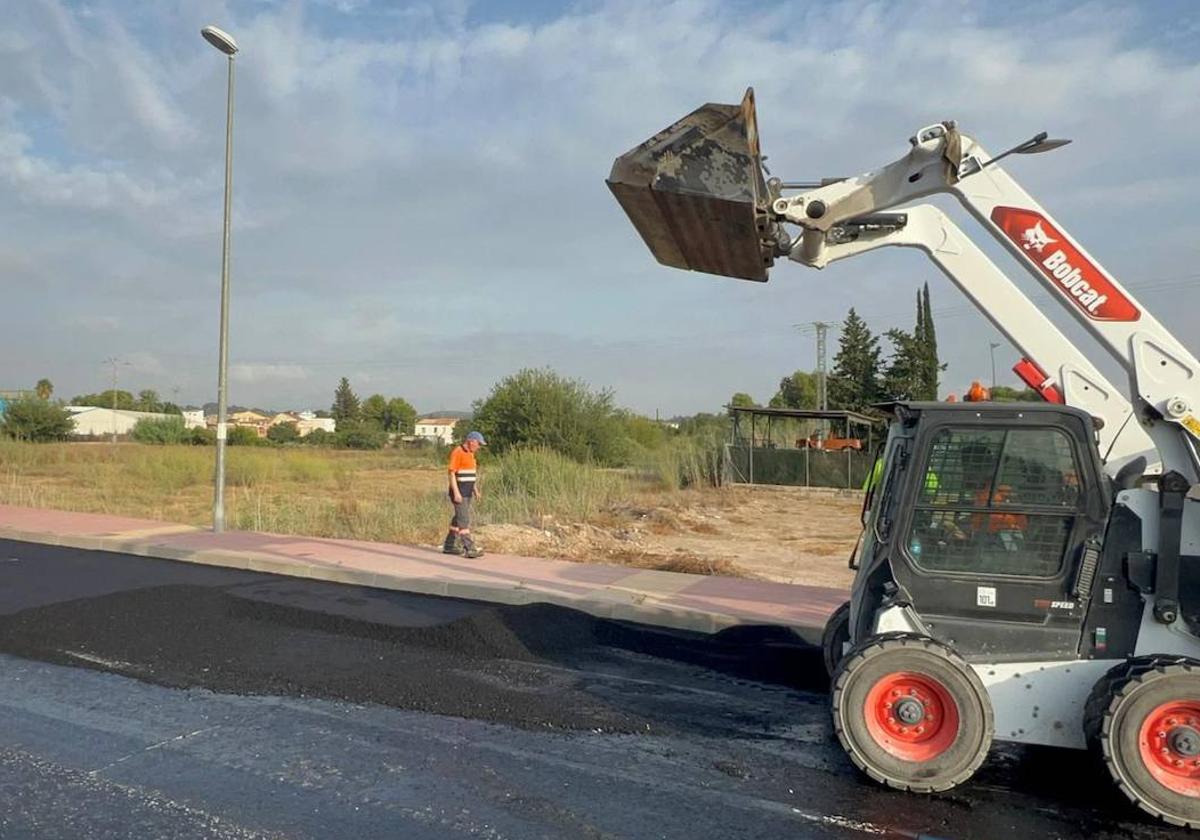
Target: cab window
996, 502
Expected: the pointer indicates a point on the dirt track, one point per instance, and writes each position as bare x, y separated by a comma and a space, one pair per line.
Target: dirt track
785, 534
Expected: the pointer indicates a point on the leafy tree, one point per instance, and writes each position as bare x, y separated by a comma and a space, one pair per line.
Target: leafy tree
1003, 393
401, 416
374, 411
44, 389
704, 425
796, 391
36, 420
645, 432
104, 399
742, 400
345, 408
283, 433
854, 381
904, 377
160, 430
541, 408
148, 400
170, 408
360, 436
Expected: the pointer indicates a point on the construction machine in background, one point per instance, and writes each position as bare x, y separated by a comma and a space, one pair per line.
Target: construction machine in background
1028, 572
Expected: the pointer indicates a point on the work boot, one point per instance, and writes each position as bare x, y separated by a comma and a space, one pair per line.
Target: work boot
450, 546
472, 550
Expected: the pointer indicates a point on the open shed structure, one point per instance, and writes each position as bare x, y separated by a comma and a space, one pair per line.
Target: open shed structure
800, 447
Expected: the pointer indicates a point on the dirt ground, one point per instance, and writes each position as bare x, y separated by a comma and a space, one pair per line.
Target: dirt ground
784, 534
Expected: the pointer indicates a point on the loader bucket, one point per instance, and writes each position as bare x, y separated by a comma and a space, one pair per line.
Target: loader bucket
695, 192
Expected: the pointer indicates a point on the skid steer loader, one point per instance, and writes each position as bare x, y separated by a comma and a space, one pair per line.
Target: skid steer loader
1027, 572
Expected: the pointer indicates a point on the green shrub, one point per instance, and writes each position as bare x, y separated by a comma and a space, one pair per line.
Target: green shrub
361, 436
35, 420
539, 408
160, 431
283, 433
243, 436
201, 436
318, 437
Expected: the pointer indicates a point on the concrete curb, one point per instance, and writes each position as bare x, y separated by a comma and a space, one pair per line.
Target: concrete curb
615, 602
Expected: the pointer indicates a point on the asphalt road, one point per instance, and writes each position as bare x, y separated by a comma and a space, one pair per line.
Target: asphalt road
144, 698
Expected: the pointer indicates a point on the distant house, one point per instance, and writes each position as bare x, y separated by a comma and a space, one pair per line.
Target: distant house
193, 418
307, 425
436, 428
251, 419
94, 421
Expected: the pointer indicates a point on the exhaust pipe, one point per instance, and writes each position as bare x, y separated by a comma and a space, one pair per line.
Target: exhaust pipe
696, 194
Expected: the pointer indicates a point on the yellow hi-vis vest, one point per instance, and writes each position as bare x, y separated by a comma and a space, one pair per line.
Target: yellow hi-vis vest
872, 479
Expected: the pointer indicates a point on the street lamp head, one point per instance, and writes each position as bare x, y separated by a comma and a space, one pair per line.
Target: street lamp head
220, 39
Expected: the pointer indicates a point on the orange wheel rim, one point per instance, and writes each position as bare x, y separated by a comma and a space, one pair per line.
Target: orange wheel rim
911, 716
1169, 744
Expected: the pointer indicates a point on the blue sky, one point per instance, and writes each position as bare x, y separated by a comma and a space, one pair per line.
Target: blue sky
419, 188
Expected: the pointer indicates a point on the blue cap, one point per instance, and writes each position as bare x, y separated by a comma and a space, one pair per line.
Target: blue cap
476, 436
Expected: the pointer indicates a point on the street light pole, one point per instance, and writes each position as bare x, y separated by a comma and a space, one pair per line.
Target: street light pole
225, 43
994, 345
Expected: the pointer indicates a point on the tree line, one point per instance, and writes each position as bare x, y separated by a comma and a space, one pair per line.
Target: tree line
861, 377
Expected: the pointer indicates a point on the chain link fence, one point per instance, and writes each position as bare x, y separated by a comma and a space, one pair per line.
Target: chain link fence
847, 469
799, 448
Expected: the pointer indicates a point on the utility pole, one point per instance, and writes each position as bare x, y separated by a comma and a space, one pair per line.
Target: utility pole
822, 328
114, 361
994, 345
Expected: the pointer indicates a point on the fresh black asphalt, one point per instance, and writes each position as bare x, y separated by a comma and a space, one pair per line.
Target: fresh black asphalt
144, 698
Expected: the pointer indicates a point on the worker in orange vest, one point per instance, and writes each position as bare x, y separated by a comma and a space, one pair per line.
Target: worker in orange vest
464, 488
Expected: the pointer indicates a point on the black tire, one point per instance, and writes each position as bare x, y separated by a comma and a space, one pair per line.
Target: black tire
956, 742
1134, 703
834, 637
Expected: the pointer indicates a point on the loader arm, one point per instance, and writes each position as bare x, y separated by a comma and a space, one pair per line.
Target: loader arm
1164, 376
1069, 376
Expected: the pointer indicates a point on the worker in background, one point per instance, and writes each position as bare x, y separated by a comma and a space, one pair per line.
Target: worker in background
977, 393
876, 473
464, 488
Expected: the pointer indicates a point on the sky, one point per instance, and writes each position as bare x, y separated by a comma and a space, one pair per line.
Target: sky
419, 201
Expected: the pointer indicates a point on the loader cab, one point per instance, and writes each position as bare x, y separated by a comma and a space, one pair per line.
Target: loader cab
978, 529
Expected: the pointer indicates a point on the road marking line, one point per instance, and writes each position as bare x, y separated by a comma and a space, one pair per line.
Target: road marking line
96, 660
163, 743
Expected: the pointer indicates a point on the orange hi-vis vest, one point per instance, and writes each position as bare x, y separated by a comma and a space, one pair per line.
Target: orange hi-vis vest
462, 467
998, 520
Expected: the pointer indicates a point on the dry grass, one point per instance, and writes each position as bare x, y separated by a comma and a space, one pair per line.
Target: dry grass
535, 504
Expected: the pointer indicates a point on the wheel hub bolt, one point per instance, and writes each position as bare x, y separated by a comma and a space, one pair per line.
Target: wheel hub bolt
909, 711
1185, 741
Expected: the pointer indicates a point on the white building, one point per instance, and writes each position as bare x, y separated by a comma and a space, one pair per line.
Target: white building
92, 421
193, 419
306, 426
436, 428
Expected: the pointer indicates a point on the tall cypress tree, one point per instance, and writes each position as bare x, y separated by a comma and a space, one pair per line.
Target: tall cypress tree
854, 380
345, 408
932, 367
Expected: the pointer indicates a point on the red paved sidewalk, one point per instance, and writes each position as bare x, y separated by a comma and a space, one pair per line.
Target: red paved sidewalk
669, 599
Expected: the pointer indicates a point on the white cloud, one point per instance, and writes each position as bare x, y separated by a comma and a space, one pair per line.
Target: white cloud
266, 374
410, 184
